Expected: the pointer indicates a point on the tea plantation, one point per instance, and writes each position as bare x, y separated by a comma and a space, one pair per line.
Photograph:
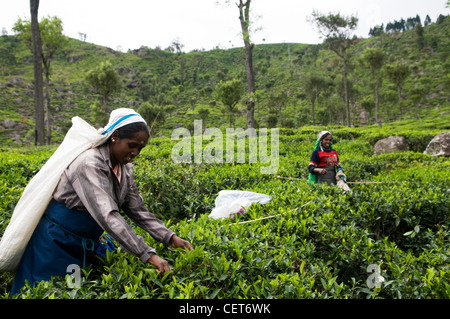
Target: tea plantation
388, 238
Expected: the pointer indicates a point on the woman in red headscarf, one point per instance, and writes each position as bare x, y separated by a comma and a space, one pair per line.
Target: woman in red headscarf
324, 160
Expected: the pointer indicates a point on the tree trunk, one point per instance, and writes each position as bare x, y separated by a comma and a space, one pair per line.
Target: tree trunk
347, 100
244, 13
38, 82
330, 117
377, 102
313, 102
47, 105
399, 93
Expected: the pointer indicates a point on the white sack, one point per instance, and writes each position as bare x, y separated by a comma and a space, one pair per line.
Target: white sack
229, 202
341, 181
38, 193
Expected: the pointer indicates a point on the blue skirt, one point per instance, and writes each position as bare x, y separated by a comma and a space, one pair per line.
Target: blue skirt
63, 237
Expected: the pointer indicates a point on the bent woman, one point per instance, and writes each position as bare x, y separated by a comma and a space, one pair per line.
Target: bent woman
324, 160
86, 202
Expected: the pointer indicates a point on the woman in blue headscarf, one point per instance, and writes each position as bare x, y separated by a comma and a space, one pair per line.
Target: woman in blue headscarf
86, 202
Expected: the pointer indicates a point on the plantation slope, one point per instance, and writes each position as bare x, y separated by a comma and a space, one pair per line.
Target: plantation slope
182, 84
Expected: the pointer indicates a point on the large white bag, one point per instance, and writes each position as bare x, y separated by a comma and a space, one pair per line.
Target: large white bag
229, 202
38, 193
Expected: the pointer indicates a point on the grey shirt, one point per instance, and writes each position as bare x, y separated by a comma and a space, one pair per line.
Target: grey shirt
89, 184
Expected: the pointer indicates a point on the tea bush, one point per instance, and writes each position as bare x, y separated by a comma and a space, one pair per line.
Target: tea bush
307, 242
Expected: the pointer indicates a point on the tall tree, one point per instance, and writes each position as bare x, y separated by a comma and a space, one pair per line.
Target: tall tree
52, 39
38, 81
374, 59
337, 30
244, 18
314, 85
397, 73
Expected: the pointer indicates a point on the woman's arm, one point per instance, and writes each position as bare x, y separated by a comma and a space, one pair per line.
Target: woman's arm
92, 181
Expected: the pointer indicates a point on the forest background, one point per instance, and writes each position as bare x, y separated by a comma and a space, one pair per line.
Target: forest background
295, 84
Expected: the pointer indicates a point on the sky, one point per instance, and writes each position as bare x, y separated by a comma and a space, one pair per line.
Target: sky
207, 24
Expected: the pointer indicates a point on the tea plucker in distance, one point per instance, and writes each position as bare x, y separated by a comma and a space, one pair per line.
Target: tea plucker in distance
86, 203
324, 166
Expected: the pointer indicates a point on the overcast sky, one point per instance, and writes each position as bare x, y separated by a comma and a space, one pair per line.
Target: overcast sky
205, 24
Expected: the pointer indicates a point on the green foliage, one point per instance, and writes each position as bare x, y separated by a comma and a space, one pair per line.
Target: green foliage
153, 115
229, 93
183, 83
397, 73
104, 80
314, 241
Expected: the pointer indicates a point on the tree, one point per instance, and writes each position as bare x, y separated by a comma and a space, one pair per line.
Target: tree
38, 81
104, 81
203, 113
419, 31
314, 85
229, 93
52, 39
244, 18
327, 92
374, 59
337, 30
377, 30
7, 57
397, 74
417, 94
153, 115
276, 100
176, 46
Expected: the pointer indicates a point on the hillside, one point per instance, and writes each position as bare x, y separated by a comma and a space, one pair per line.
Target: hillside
182, 83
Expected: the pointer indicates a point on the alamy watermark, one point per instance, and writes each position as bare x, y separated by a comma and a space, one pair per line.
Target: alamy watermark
74, 279
375, 279
213, 152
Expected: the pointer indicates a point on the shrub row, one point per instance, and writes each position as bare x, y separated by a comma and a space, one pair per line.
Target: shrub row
314, 241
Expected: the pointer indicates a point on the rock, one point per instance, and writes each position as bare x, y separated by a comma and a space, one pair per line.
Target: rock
364, 117
391, 144
59, 89
9, 124
132, 84
439, 145
75, 58
16, 80
141, 52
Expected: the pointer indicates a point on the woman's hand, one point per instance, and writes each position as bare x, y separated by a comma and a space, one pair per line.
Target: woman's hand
177, 242
162, 264
321, 171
